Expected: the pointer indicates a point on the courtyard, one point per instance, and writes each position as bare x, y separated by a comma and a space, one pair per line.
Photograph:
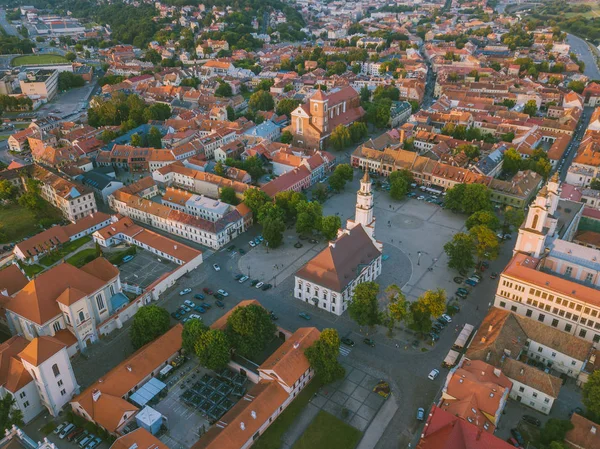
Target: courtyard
144, 268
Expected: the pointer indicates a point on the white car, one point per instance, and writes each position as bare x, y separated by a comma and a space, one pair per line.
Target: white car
189, 303
433, 374
216, 267
251, 243
185, 291
259, 285
421, 198
195, 316
223, 292
447, 318
243, 279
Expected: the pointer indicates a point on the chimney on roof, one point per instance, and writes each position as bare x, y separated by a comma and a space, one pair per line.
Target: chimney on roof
483, 339
253, 414
296, 345
593, 430
521, 371
242, 426
96, 395
490, 328
129, 368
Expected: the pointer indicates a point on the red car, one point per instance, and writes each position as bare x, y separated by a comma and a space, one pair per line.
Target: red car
207, 290
514, 442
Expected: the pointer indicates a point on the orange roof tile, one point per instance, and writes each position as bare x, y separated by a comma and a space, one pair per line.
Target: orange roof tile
41, 349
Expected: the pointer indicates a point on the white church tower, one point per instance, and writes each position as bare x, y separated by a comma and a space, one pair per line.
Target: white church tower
364, 209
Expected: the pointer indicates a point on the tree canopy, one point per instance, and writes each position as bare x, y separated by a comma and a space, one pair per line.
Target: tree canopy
149, 322
213, 349
249, 329
323, 356
364, 308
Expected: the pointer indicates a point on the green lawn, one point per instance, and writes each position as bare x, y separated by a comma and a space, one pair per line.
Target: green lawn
19, 222
31, 270
82, 257
328, 432
117, 258
271, 439
65, 250
50, 58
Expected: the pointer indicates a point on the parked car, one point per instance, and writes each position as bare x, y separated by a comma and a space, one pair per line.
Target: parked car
472, 282
71, 436
219, 296
446, 317
243, 279
304, 315
259, 285
251, 243
230, 248
219, 304
254, 282
83, 443
514, 442
207, 290
348, 342
433, 374
175, 315
577, 410
460, 295
60, 427
421, 197
242, 251
92, 444
532, 420
189, 303
223, 292
420, 414
463, 290
441, 322
185, 291
369, 342
195, 316
66, 430
186, 309
238, 277
199, 296
128, 259
199, 309
216, 267
206, 305
434, 336
517, 436
81, 436
493, 275
266, 287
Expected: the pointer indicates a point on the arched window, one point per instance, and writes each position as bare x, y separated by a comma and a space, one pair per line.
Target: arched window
535, 221
81, 316
55, 370
299, 125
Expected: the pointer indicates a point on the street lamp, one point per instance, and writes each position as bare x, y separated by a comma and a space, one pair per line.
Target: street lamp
419, 259
248, 270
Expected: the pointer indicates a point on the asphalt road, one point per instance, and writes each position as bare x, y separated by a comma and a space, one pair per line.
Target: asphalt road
584, 53
572, 150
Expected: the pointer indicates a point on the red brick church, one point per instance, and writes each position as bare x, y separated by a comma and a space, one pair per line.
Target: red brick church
313, 122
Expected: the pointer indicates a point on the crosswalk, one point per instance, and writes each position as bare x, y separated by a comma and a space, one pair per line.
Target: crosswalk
345, 350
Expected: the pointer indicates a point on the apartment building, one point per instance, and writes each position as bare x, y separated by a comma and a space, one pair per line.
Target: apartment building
74, 200
40, 84
198, 205
550, 278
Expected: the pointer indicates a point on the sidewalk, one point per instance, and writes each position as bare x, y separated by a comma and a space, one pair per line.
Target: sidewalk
374, 432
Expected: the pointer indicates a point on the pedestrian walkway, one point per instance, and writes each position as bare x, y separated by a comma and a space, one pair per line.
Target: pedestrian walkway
374, 432
345, 350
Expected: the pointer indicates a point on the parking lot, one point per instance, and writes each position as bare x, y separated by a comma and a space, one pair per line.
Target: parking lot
197, 397
145, 268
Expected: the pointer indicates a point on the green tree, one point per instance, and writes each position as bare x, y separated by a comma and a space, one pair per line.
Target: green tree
309, 216
249, 329
228, 195
219, 169
192, 330
454, 197
273, 228
512, 217
460, 252
319, 192
137, 140
330, 225
511, 161
591, 394
70, 56
149, 322
340, 137
397, 309
554, 430
364, 308
400, 182
358, 131
365, 94
342, 174
286, 137
154, 138
153, 56
230, 114
485, 242
224, 90
8, 191
476, 198
288, 201
286, 106
431, 304
323, 356
108, 135
261, 101
255, 198
9, 413
213, 349
530, 108
483, 217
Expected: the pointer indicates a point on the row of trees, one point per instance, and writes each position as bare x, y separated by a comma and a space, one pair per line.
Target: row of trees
365, 310
343, 136
153, 139
128, 111
538, 162
68, 80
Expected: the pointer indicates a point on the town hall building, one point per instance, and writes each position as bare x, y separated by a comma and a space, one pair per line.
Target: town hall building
329, 279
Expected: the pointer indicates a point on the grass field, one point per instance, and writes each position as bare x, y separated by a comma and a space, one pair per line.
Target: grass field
19, 222
63, 251
328, 432
271, 439
49, 58
82, 257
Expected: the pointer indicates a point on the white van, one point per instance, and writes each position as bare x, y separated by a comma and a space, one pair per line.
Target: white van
63, 433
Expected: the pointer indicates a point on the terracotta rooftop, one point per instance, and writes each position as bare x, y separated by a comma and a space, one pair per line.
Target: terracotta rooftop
12, 279
41, 349
584, 435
